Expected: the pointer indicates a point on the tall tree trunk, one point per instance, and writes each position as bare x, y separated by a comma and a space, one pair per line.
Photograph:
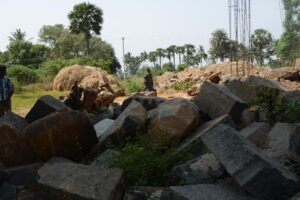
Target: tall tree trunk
160, 62
174, 61
87, 40
179, 59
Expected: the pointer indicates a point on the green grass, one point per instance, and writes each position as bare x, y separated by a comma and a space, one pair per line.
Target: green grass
24, 99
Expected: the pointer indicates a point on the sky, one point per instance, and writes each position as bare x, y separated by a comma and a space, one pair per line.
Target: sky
145, 24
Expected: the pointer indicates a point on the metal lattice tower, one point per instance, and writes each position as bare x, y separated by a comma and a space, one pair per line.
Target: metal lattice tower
240, 12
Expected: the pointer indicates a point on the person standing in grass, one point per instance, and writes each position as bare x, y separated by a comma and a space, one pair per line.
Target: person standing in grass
6, 91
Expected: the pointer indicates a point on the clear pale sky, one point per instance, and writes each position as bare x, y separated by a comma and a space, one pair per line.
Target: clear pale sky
145, 24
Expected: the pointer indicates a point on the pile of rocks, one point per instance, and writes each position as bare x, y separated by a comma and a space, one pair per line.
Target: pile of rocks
51, 153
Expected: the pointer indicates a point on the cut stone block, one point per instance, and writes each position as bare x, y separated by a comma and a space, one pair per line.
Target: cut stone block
81, 182
217, 100
102, 126
253, 170
256, 132
44, 107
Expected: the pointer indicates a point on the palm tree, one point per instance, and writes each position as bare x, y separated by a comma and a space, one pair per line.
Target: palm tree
219, 44
172, 51
189, 51
180, 51
86, 18
17, 35
143, 56
201, 54
161, 54
152, 57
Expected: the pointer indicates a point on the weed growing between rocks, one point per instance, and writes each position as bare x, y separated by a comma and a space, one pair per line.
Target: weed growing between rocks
147, 165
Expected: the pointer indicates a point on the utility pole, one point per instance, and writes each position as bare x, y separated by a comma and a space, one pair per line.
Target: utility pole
124, 67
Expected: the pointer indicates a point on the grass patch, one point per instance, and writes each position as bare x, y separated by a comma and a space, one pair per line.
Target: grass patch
24, 98
183, 86
133, 85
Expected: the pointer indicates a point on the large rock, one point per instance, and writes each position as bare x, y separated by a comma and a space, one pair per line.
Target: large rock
223, 191
68, 134
294, 146
105, 159
102, 126
22, 175
290, 100
278, 140
127, 125
18, 122
173, 120
14, 149
253, 170
256, 132
8, 192
44, 106
217, 100
76, 181
143, 193
248, 88
149, 103
193, 144
202, 170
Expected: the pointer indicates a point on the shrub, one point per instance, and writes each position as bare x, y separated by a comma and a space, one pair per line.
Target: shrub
183, 85
181, 67
147, 165
133, 85
168, 67
291, 110
22, 74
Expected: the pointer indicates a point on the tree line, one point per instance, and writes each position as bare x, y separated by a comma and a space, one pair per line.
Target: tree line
80, 39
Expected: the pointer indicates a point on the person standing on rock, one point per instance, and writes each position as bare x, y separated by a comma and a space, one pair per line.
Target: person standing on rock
148, 81
6, 91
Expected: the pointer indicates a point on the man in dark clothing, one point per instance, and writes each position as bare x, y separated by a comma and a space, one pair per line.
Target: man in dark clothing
148, 81
6, 91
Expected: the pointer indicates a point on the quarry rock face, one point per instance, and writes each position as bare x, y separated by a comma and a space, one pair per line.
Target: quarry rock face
217, 100
253, 170
44, 107
68, 134
77, 181
173, 120
14, 149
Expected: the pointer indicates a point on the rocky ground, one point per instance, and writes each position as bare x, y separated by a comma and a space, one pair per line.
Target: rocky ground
252, 152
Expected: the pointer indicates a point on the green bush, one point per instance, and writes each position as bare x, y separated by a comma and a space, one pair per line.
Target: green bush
183, 85
133, 85
168, 67
22, 74
181, 67
147, 165
291, 110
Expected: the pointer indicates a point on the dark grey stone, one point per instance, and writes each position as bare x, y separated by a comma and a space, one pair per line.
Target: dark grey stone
256, 132
148, 102
14, 120
102, 126
253, 170
22, 175
143, 193
66, 180
8, 192
44, 107
217, 100
105, 158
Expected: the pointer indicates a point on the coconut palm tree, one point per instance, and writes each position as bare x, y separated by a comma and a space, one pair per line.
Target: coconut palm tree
161, 54
180, 50
172, 51
86, 18
219, 44
189, 53
17, 35
152, 57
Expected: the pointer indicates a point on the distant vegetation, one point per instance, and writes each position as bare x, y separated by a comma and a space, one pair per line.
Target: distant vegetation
80, 43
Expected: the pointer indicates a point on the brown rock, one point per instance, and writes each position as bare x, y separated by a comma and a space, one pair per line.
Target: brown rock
14, 149
68, 134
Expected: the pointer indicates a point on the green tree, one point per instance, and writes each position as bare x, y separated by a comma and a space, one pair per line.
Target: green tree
172, 51
17, 35
160, 53
262, 45
143, 56
201, 55
152, 57
189, 54
219, 44
180, 50
133, 63
50, 34
86, 18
